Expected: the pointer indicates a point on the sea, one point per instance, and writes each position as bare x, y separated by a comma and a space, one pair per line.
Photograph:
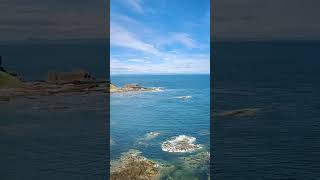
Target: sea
134, 115
282, 139
65, 136
59, 136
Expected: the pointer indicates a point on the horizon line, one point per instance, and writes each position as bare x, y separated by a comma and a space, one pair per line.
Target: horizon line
195, 73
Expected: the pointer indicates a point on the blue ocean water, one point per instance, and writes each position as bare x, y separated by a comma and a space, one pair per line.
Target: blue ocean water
133, 115
60, 136
282, 140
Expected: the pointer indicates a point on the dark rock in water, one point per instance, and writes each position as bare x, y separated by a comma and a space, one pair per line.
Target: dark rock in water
245, 112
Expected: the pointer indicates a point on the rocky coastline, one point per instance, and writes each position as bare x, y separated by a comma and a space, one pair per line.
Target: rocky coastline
61, 83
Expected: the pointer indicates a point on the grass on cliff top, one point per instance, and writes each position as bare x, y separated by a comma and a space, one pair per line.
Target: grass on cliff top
8, 81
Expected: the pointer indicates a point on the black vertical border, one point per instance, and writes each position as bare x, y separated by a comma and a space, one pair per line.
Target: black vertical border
107, 125
211, 86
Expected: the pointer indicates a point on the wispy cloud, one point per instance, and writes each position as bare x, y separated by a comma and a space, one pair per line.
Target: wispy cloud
121, 37
184, 39
149, 56
172, 63
152, 44
139, 61
136, 5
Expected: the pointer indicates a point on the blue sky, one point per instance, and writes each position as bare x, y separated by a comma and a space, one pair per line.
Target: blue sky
160, 36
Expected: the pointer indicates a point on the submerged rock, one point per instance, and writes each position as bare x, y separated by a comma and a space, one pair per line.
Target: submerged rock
180, 143
132, 165
199, 161
245, 112
184, 97
147, 137
152, 135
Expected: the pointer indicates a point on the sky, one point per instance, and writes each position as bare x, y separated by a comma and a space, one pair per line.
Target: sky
27, 20
270, 20
160, 37
232, 19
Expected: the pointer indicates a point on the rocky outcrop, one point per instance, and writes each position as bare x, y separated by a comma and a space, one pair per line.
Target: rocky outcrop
131, 88
132, 165
180, 143
113, 87
11, 88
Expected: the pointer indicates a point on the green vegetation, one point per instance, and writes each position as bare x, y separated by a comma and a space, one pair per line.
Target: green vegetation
8, 81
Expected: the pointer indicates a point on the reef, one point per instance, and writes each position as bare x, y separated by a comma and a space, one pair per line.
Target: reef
181, 143
199, 161
132, 165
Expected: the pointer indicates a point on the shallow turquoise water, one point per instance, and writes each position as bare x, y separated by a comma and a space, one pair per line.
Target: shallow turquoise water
135, 114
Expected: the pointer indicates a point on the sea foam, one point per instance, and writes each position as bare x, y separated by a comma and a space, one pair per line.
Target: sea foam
181, 143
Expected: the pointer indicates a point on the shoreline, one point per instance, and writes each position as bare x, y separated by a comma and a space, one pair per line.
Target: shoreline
43, 88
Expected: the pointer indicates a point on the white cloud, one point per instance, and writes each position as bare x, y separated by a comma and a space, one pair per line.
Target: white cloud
184, 39
121, 37
170, 63
181, 38
139, 61
154, 52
